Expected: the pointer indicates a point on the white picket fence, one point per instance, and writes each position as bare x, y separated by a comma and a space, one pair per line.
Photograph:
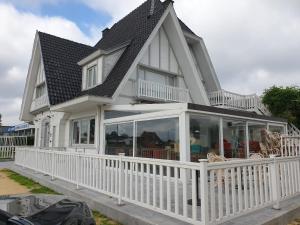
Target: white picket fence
7, 152
13, 140
226, 189
290, 145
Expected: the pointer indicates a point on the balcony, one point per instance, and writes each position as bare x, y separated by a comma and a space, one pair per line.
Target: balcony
39, 103
226, 99
161, 92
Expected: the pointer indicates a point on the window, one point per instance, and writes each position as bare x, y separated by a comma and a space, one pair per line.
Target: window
91, 76
83, 131
40, 90
157, 77
158, 139
234, 138
256, 136
119, 139
204, 136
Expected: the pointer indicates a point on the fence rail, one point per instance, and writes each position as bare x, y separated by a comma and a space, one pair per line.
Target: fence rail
290, 145
7, 152
13, 140
237, 101
226, 189
153, 90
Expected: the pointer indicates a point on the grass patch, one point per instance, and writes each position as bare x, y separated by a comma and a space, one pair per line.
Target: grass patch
34, 187
103, 220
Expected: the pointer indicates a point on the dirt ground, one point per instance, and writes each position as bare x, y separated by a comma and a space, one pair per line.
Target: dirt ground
10, 187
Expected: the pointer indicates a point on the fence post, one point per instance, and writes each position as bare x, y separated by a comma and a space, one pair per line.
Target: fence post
204, 191
77, 170
121, 177
275, 182
52, 165
36, 160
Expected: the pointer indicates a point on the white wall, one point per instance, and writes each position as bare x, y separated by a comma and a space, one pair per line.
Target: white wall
158, 58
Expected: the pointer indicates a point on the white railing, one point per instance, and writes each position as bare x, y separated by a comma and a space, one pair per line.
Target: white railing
232, 100
39, 103
226, 189
7, 152
293, 130
153, 90
290, 145
13, 140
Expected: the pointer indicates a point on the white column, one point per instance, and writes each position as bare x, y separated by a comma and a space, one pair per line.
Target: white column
247, 139
221, 137
101, 133
97, 128
184, 137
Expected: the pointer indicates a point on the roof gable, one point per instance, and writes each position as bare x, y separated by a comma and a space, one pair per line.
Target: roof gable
136, 27
60, 58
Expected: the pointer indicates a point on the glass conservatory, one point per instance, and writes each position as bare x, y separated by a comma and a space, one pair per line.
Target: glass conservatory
184, 131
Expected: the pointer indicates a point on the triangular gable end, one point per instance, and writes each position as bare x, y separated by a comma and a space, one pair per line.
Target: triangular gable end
35, 95
174, 56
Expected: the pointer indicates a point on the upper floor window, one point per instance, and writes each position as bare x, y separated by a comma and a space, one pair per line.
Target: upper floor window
40, 90
91, 77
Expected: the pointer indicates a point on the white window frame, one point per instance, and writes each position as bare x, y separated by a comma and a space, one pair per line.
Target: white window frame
89, 68
88, 136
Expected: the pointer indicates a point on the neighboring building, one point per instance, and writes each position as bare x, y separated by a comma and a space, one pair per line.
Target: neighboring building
4, 130
147, 88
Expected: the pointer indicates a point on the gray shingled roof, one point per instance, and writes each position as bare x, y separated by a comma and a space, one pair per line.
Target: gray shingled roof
60, 56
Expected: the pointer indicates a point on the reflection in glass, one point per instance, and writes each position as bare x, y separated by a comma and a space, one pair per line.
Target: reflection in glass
204, 136
84, 131
158, 139
234, 138
256, 136
119, 139
277, 129
92, 131
75, 132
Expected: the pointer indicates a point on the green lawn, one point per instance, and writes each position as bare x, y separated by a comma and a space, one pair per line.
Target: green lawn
36, 188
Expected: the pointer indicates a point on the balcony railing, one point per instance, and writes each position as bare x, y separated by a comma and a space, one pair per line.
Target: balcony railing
232, 100
39, 103
157, 91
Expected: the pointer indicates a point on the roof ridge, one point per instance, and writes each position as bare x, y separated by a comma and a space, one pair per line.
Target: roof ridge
65, 39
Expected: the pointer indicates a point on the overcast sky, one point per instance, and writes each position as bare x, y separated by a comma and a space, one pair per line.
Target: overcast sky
253, 44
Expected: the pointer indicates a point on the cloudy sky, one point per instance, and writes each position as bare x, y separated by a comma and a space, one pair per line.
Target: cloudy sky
253, 44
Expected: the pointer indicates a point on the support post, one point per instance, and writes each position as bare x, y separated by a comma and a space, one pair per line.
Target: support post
121, 178
247, 140
52, 165
275, 182
78, 163
221, 137
204, 191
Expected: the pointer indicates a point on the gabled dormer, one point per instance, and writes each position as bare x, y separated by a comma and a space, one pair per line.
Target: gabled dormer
96, 66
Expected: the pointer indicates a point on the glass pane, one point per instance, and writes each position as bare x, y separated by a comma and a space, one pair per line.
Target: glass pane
276, 129
158, 139
256, 136
75, 132
84, 125
204, 136
92, 131
119, 139
234, 132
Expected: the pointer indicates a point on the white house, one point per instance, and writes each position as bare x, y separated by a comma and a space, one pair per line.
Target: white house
147, 89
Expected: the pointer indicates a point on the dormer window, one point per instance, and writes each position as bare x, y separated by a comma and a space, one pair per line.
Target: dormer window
40, 90
91, 76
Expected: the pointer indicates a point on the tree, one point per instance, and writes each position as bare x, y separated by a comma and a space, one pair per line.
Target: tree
284, 102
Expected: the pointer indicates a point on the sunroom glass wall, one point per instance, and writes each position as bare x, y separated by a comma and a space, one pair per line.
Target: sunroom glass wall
204, 136
158, 139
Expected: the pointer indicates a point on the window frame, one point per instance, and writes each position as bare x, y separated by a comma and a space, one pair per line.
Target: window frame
92, 67
79, 120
